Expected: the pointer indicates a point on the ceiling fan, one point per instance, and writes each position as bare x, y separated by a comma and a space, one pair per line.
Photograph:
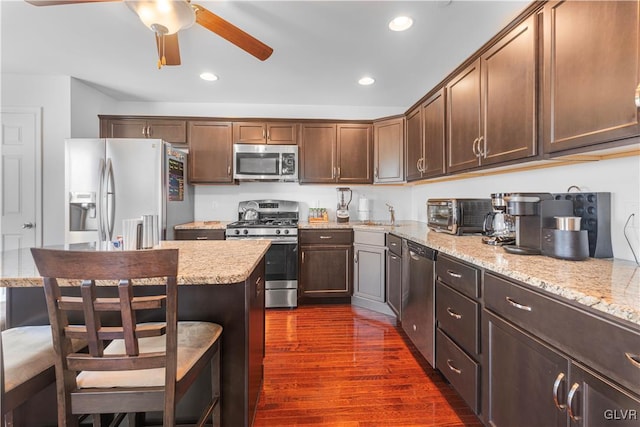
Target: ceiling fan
166, 17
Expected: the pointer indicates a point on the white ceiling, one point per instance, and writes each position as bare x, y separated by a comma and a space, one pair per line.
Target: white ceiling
321, 49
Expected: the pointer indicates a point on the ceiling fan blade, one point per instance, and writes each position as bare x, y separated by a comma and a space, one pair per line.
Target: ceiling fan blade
231, 33
59, 2
171, 48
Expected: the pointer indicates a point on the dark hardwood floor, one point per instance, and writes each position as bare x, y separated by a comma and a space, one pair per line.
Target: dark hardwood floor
338, 365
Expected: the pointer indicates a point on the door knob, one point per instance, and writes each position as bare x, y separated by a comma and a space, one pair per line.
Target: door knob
27, 225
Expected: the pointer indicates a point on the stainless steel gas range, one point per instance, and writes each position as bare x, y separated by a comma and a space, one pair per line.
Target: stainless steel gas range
277, 221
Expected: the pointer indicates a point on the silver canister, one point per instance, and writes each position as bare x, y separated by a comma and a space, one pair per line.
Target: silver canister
568, 223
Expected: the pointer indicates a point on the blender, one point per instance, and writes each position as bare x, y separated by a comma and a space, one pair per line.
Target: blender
344, 198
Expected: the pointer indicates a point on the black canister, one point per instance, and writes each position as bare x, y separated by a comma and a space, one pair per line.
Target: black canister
565, 244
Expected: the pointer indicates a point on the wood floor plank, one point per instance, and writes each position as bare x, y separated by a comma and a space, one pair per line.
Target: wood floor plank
345, 366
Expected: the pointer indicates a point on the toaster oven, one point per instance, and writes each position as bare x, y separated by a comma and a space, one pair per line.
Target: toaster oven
457, 216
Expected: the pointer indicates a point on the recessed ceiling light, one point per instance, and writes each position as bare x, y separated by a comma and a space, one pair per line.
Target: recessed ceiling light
366, 81
210, 77
400, 23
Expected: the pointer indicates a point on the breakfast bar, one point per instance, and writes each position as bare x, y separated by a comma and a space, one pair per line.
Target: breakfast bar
220, 282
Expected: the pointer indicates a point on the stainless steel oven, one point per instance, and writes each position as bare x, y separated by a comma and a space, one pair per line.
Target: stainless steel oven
277, 221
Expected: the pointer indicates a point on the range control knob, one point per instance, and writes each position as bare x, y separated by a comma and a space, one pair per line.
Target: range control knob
277, 231
286, 231
245, 231
236, 232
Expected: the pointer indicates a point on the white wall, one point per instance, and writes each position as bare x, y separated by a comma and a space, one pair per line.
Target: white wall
221, 202
621, 177
86, 104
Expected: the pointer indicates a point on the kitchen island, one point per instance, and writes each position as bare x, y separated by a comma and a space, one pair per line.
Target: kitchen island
219, 281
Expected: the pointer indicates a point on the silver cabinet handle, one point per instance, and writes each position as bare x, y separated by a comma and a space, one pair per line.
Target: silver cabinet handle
454, 314
259, 286
27, 225
634, 359
517, 305
393, 257
338, 172
572, 394
418, 165
302, 257
556, 385
326, 237
264, 134
414, 255
473, 147
202, 238
144, 131
375, 172
333, 173
482, 147
355, 258
229, 170
453, 368
638, 96
454, 274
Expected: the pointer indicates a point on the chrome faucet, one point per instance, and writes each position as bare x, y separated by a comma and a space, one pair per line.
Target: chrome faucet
392, 213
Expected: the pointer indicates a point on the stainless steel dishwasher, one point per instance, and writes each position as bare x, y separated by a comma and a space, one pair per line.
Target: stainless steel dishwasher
418, 297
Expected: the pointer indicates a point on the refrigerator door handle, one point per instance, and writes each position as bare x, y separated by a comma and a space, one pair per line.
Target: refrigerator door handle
110, 197
101, 204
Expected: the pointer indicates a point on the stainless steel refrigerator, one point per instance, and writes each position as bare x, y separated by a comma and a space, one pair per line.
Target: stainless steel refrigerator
109, 180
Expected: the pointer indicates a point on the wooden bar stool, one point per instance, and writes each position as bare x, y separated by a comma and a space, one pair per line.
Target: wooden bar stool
145, 367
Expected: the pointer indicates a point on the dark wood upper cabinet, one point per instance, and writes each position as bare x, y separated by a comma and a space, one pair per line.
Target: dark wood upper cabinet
265, 133
509, 78
491, 105
434, 131
210, 152
463, 119
591, 72
388, 151
414, 145
336, 153
317, 153
170, 130
354, 154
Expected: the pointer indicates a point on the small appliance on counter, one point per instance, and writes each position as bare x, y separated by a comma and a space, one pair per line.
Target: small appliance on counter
457, 216
344, 198
566, 241
533, 213
499, 226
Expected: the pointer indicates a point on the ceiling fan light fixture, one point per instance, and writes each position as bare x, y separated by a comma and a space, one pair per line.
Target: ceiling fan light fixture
164, 14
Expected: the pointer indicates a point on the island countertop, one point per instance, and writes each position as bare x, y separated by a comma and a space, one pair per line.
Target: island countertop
211, 262
610, 286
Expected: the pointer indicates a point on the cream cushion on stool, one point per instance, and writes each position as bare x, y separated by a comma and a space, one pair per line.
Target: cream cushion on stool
194, 338
28, 351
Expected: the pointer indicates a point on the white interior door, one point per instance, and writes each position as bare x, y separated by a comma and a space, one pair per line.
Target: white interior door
20, 181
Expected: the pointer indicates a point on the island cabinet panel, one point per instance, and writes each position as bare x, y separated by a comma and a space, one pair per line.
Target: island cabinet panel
210, 152
591, 72
388, 151
170, 130
325, 264
318, 153
198, 234
265, 133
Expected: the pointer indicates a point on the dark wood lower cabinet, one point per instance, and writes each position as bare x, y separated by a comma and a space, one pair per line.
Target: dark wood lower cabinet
325, 271
198, 234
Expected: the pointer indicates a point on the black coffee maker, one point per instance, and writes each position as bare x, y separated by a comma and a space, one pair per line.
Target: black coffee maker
534, 212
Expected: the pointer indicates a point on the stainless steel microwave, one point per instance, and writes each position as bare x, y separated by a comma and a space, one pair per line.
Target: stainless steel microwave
264, 162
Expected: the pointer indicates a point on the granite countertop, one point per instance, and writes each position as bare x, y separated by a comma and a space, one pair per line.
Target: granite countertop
610, 286
211, 262
203, 225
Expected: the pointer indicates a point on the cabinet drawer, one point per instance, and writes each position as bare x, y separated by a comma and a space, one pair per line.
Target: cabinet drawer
461, 277
606, 347
394, 243
326, 237
199, 234
461, 370
457, 315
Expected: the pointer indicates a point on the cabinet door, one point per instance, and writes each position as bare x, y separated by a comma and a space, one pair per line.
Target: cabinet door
174, 131
369, 272
210, 152
433, 120
126, 128
509, 96
249, 133
317, 153
388, 151
354, 154
413, 165
325, 271
592, 70
282, 133
394, 283
256, 333
520, 373
595, 402
463, 117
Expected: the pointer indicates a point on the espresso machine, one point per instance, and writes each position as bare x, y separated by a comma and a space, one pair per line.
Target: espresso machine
499, 226
344, 198
533, 213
